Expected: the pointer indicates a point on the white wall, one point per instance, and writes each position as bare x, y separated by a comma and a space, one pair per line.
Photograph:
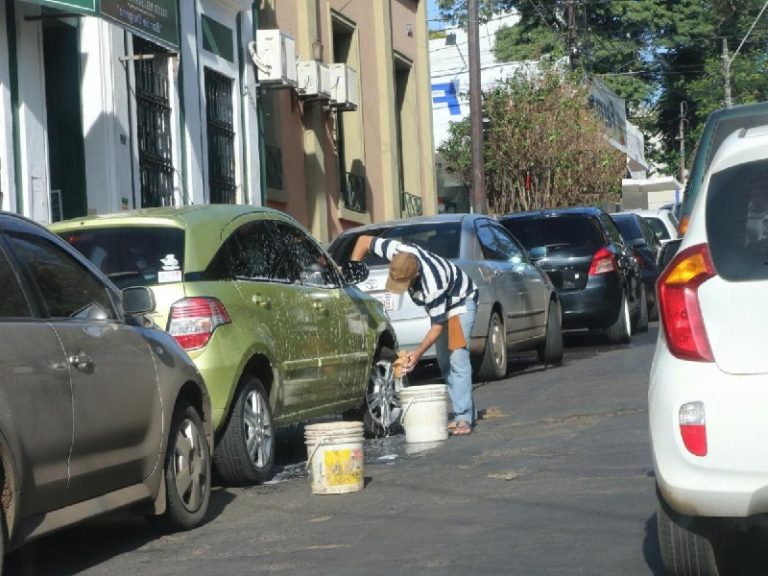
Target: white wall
108, 155
35, 180
7, 192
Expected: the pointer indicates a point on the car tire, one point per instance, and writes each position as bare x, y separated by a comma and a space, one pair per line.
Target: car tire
619, 331
246, 450
381, 408
551, 350
187, 472
684, 552
493, 366
641, 322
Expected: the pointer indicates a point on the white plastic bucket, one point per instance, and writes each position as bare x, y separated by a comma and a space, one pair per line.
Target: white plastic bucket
335, 456
425, 413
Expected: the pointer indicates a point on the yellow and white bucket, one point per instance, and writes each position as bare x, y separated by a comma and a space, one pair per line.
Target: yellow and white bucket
335, 457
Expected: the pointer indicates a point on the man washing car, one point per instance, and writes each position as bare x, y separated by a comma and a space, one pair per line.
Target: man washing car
450, 298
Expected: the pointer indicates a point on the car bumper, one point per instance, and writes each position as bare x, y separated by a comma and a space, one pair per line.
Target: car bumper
595, 307
731, 480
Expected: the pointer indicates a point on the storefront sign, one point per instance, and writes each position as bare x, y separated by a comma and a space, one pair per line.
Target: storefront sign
156, 19
86, 6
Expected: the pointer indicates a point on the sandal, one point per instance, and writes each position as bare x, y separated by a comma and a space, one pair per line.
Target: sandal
461, 428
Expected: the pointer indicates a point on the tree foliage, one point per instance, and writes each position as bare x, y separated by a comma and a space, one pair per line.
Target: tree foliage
656, 54
542, 146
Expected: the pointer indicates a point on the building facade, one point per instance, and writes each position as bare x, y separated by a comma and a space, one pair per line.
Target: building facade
120, 104
110, 105
366, 157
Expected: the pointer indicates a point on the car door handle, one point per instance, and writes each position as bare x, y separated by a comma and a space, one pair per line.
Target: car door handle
81, 361
320, 307
261, 301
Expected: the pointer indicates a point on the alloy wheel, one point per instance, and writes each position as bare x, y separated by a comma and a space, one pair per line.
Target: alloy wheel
258, 428
382, 396
190, 465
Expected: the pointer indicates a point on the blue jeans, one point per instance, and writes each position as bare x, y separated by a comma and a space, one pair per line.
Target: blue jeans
456, 368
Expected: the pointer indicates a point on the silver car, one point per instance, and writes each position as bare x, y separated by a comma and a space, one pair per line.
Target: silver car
518, 307
100, 410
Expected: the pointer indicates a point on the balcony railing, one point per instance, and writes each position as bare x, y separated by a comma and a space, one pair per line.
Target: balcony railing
353, 192
410, 205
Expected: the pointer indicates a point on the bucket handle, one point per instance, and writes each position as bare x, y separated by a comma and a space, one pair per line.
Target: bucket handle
320, 443
405, 410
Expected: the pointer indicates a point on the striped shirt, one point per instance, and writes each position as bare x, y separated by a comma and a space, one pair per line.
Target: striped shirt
442, 287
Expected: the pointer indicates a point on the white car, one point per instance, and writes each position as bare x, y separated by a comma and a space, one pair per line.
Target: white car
708, 395
662, 221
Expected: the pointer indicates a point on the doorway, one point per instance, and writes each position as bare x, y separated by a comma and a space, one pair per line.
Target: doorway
66, 154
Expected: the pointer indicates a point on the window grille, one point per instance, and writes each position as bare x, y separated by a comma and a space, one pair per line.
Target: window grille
221, 138
153, 115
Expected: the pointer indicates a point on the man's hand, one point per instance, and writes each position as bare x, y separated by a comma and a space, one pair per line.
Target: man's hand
413, 359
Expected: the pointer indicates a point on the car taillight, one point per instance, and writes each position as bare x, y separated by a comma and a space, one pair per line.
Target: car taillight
602, 262
693, 428
193, 320
678, 288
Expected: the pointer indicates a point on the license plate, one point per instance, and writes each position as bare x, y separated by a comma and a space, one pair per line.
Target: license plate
387, 299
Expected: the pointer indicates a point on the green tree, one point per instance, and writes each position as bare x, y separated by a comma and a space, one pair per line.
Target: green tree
543, 146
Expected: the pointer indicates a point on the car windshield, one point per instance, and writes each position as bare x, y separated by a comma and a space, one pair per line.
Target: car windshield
556, 232
737, 221
441, 238
133, 256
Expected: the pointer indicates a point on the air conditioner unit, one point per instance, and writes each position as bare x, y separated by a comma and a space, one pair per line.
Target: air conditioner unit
314, 79
344, 92
276, 51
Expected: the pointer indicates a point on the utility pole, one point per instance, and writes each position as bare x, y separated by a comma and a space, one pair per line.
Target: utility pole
727, 74
573, 45
681, 137
476, 110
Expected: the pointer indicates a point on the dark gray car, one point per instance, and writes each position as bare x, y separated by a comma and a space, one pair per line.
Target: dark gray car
99, 411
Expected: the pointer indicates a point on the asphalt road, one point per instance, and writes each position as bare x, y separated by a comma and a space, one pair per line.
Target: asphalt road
556, 479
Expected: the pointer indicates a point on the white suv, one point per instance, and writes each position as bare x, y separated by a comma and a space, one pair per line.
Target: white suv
708, 396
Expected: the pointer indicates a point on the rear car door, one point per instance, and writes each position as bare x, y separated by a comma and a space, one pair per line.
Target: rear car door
276, 314
342, 350
117, 422
36, 395
502, 278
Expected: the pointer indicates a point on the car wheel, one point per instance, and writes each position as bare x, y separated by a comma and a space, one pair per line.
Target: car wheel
619, 331
494, 363
551, 350
246, 451
382, 403
641, 322
187, 471
683, 551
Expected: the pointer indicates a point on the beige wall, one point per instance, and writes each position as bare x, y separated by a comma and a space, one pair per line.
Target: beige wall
308, 131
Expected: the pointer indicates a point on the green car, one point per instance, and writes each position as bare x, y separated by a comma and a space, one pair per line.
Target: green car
278, 330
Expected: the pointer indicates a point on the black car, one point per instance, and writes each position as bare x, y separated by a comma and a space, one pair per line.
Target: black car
641, 239
595, 274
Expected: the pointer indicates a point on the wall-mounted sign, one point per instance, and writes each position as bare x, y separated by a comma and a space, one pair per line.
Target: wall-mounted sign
156, 19
87, 6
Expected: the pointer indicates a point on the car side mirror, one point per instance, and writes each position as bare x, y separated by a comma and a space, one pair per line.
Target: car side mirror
538, 253
668, 252
355, 272
138, 300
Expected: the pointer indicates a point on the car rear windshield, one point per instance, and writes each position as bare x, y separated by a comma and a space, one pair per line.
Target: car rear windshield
567, 231
628, 227
442, 239
658, 227
737, 221
133, 256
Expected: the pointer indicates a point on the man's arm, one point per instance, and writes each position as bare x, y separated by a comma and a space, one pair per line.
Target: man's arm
431, 337
362, 245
